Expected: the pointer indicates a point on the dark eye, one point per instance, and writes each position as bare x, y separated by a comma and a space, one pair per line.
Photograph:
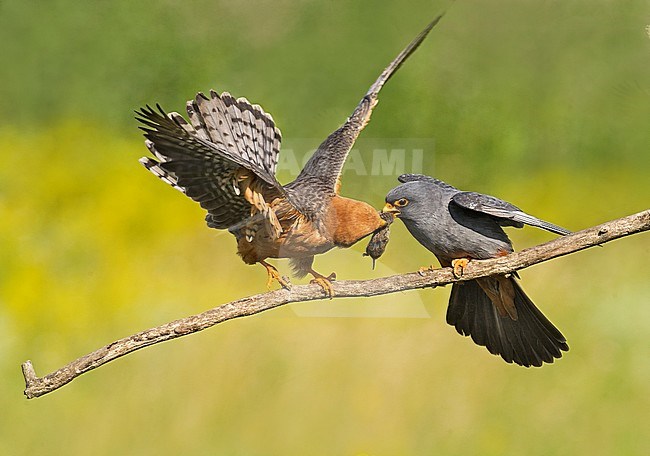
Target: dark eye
401, 202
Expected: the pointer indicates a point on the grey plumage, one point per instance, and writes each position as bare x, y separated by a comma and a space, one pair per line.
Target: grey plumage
325, 166
445, 228
494, 311
507, 214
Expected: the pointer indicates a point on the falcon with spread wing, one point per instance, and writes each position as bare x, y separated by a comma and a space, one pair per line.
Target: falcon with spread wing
225, 158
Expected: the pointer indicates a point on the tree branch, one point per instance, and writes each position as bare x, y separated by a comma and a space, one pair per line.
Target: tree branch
38, 386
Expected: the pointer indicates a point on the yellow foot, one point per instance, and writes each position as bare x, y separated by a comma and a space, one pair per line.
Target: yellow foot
458, 266
274, 275
324, 282
423, 269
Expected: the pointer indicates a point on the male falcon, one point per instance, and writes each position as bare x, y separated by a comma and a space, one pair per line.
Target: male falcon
458, 226
225, 158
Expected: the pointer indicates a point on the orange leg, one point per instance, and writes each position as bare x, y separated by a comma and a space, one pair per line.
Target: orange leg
324, 282
458, 266
275, 275
423, 269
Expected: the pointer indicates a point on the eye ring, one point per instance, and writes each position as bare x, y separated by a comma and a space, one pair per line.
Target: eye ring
401, 202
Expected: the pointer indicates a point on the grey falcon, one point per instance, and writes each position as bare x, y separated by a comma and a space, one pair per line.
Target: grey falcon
458, 226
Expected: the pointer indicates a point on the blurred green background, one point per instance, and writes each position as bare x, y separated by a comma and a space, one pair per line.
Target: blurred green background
545, 104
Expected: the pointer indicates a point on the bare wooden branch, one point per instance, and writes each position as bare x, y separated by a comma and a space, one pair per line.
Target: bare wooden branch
38, 386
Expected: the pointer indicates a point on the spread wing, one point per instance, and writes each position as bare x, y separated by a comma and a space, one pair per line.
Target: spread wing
327, 162
224, 158
508, 214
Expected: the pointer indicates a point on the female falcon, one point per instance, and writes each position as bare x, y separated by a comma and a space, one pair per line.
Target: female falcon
225, 159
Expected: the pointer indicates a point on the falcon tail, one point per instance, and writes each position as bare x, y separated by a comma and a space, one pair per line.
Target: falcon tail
531, 340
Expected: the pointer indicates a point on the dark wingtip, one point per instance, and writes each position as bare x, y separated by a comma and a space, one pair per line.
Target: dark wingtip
434, 22
422, 35
147, 113
401, 58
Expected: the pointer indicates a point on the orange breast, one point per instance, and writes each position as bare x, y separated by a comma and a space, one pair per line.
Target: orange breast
350, 220
345, 222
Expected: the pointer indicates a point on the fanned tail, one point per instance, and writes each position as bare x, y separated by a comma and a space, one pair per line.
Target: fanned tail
530, 340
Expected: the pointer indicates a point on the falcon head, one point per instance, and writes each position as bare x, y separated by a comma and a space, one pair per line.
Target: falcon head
416, 198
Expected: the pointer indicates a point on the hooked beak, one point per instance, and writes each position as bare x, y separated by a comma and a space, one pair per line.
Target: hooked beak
391, 209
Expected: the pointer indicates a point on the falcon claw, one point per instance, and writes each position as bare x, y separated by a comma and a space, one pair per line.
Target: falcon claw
274, 275
459, 266
423, 269
282, 280
285, 282
324, 282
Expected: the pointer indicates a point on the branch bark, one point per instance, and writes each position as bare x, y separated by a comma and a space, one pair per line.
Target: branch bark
38, 386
